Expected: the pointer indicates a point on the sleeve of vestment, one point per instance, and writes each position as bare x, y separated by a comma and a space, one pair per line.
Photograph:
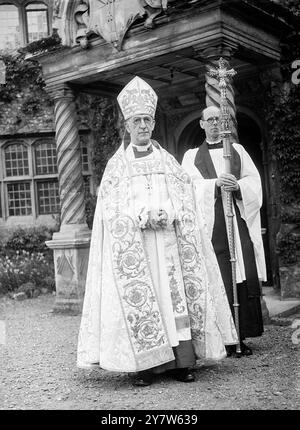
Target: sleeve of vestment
250, 204
205, 190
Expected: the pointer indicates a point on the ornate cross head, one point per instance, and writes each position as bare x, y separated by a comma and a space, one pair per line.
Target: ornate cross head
222, 73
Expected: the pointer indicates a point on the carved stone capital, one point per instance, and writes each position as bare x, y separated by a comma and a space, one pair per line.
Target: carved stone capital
211, 53
60, 92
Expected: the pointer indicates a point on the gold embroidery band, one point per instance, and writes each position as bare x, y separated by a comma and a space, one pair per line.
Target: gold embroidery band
163, 355
144, 322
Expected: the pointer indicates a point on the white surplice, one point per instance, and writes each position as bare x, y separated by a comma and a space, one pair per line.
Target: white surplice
249, 205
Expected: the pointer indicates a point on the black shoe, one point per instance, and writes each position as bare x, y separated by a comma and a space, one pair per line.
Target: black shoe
230, 350
245, 349
143, 379
184, 375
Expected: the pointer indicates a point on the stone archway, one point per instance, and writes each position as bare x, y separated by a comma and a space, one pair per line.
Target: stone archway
189, 135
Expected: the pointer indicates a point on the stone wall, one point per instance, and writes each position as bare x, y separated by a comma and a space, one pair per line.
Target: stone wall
289, 260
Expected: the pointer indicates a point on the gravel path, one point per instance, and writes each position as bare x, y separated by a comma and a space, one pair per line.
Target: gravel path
38, 371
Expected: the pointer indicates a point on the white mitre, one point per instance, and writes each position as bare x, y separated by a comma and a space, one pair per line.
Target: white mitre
137, 98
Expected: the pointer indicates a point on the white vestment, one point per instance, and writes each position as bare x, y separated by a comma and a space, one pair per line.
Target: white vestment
249, 205
150, 193
147, 290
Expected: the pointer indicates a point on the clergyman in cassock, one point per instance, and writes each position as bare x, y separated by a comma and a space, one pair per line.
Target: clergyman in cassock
206, 167
154, 298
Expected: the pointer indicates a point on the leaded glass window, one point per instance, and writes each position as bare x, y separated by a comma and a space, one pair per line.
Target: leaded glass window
37, 21
19, 198
48, 197
29, 178
10, 35
16, 160
84, 154
45, 158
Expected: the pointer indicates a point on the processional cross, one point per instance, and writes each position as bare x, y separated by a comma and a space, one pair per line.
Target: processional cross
223, 75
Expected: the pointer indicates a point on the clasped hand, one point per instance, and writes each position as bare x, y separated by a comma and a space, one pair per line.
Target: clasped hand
157, 219
228, 182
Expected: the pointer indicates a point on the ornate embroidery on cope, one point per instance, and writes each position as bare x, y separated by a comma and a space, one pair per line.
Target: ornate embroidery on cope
147, 168
177, 301
194, 274
131, 270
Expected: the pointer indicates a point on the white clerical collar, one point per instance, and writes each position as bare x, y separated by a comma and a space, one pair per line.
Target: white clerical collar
141, 148
212, 143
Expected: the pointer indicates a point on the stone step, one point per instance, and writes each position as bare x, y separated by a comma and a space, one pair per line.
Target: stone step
277, 306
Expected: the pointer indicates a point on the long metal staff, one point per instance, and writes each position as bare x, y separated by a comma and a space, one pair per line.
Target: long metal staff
223, 74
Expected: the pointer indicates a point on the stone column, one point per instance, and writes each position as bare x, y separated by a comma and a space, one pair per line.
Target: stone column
71, 243
211, 56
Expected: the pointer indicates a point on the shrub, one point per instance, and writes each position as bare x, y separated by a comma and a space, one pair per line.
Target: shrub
24, 267
30, 239
287, 249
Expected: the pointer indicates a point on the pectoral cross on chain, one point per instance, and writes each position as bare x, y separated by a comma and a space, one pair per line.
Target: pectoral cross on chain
149, 184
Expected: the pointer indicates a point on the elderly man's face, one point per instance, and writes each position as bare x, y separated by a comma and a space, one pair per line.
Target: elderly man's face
211, 123
140, 128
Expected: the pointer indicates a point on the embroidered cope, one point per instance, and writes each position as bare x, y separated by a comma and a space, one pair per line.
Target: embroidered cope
146, 289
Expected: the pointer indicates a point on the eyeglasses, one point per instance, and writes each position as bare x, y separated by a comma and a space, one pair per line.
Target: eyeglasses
137, 121
212, 119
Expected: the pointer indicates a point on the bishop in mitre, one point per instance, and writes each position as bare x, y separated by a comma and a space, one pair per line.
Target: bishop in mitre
154, 298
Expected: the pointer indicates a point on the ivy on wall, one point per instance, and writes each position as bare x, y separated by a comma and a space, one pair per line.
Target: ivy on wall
24, 79
24, 83
19, 74
106, 137
283, 119
46, 44
101, 116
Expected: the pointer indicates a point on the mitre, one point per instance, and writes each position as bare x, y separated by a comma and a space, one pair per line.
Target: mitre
137, 98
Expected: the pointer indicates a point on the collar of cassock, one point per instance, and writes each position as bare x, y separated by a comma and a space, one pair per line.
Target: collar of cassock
214, 145
142, 150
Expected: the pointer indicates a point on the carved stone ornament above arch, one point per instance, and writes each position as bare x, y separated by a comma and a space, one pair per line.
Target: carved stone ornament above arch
77, 20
